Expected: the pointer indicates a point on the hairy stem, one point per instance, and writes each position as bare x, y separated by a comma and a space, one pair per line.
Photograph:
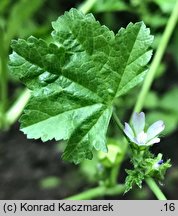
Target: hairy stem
157, 58
99, 191
87, 6
156, 190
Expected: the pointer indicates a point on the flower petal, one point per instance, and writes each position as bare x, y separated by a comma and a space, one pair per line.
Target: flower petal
154, 140
155, 129
141, 138
138, 122
136, 141
129, 132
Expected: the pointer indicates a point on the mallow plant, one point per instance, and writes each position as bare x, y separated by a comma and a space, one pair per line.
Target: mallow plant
74, 81
145, 164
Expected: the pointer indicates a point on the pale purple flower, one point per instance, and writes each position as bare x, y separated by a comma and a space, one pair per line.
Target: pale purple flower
136, 133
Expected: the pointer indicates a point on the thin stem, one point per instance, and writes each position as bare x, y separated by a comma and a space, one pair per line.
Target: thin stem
3, 79
87, 6
114, 175
120, 125
157, 58
115, 170
99, 191
118, 122
15, 111
156, 190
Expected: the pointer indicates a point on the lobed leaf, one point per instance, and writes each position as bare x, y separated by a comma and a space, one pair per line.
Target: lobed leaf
75, 79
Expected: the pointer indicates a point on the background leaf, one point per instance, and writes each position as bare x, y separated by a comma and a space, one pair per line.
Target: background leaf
20, 13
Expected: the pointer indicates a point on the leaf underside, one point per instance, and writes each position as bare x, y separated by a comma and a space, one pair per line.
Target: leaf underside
75, 79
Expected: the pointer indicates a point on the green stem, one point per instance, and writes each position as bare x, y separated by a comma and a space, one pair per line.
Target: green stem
157, 58
156, 190
118, 122
15, 111
3, 79
115, 169
99, 191
114, 175
87, 6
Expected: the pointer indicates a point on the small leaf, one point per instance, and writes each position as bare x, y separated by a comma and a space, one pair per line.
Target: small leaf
134, 177
114, 155
169, 101
151, 101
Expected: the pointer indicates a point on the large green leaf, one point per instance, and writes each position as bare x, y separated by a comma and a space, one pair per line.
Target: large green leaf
75, 79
